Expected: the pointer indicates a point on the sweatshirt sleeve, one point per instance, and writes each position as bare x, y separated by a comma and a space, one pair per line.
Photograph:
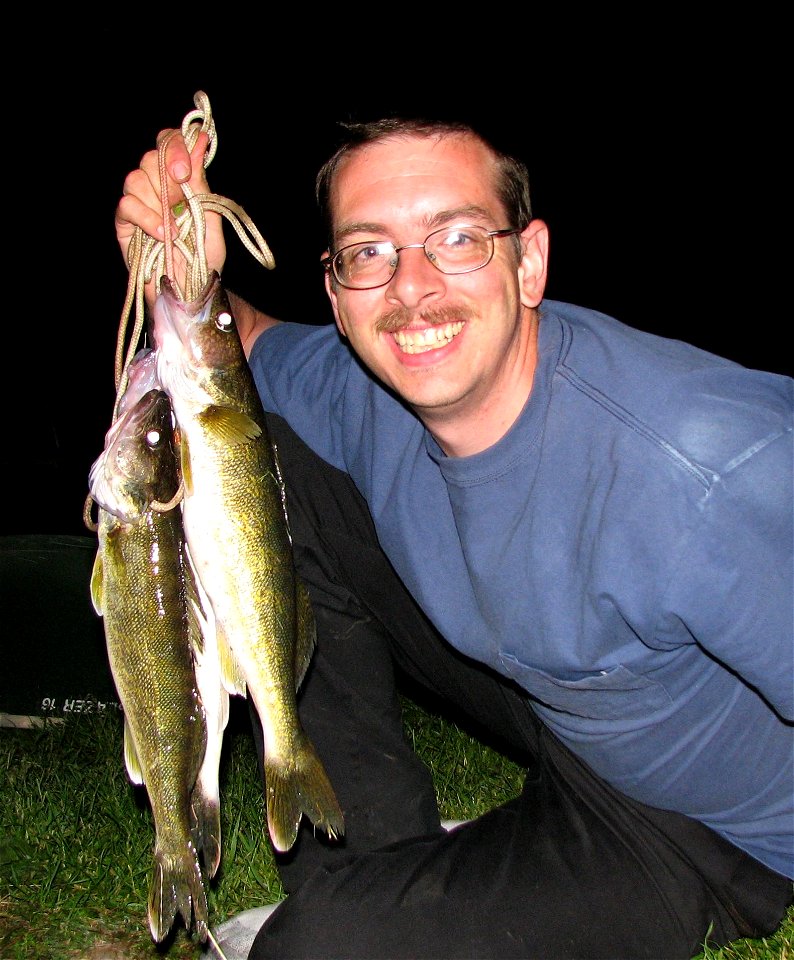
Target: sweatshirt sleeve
734, 585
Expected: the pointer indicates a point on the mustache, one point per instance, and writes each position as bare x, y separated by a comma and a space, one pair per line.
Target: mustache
401, 317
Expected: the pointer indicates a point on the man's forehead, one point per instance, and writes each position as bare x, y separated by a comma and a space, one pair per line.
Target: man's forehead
389, 169
419, 149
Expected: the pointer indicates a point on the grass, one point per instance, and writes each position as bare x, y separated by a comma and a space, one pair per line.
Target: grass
76, 837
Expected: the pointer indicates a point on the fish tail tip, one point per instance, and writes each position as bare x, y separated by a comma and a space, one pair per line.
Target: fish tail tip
207, 832
177, 886
212, 859
304, 789
162, 902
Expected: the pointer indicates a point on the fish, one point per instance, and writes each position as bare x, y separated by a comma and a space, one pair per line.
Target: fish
142, 586
205, 802
237, 530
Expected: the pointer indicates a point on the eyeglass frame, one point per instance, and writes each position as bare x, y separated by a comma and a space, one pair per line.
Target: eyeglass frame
329, 264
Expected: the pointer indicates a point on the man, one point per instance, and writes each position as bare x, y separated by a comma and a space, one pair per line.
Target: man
591, 531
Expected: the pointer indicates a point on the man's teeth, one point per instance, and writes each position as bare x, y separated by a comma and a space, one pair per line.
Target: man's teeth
419, 341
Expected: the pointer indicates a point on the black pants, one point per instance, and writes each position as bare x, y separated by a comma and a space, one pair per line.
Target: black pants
569, 869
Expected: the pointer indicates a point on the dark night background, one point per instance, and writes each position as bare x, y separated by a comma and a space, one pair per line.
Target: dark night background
657, 167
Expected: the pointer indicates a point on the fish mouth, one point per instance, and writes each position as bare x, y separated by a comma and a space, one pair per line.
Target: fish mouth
191, 307
430, 338
182, 331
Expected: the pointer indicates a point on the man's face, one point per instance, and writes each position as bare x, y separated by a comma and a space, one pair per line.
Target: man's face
447, 344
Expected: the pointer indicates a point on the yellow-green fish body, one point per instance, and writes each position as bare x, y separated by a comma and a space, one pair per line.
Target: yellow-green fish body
140, 586
236, 528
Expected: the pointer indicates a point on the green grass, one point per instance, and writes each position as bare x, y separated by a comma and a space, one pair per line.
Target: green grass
76, 837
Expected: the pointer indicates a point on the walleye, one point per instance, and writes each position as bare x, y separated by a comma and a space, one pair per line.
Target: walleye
141, 585
237, 532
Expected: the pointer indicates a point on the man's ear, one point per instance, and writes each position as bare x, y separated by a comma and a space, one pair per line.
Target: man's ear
332, 296
533, 269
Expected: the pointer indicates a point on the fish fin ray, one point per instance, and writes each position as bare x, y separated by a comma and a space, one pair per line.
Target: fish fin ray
231, 673
197, 622
303, 787
229, 425
131, 760
195, 628
307, 631
97, 575
205, 811
176, 885
184, 464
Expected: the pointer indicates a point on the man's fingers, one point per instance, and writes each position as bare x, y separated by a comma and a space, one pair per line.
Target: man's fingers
198, 178
184, 166
132, 212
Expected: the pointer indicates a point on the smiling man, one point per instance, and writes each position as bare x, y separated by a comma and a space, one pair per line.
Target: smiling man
577, 534
455, 340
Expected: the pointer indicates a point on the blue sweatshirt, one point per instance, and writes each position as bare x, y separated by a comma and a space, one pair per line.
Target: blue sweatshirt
624, 552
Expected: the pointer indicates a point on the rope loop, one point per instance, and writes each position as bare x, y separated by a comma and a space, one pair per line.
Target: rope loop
199, 121
148, 257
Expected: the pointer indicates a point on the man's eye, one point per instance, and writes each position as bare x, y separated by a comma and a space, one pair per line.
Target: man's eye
369, 252
457, 239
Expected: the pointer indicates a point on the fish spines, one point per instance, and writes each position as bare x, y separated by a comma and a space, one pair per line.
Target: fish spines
302, 787
176, 886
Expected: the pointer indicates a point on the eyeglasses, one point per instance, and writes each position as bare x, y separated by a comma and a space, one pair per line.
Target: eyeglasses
372, 263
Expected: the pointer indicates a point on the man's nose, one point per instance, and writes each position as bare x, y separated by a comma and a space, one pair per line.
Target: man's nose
415, 277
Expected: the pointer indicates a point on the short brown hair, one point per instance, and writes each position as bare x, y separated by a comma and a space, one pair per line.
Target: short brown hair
512, 185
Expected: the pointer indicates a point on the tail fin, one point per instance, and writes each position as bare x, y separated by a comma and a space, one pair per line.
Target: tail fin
302, 787
176, 885
206, 829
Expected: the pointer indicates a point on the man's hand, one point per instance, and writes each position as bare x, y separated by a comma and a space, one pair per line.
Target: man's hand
141, 206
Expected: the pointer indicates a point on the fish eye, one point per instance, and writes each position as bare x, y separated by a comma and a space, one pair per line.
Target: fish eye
224, 320
153, 438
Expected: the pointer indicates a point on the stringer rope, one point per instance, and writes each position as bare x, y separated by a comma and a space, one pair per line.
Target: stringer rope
148, 257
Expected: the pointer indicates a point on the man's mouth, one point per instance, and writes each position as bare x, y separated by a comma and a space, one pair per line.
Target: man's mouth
420, 341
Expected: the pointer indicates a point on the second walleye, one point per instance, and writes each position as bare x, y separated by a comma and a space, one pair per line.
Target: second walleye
237, 532
142, 587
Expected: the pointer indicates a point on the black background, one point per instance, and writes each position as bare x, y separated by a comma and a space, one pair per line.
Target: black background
656, 160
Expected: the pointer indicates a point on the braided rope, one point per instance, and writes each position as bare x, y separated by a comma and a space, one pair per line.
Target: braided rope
148, 257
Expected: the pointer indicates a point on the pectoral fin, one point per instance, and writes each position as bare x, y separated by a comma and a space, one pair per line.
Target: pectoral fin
131, 761
229, 425
184, 464
96, 582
